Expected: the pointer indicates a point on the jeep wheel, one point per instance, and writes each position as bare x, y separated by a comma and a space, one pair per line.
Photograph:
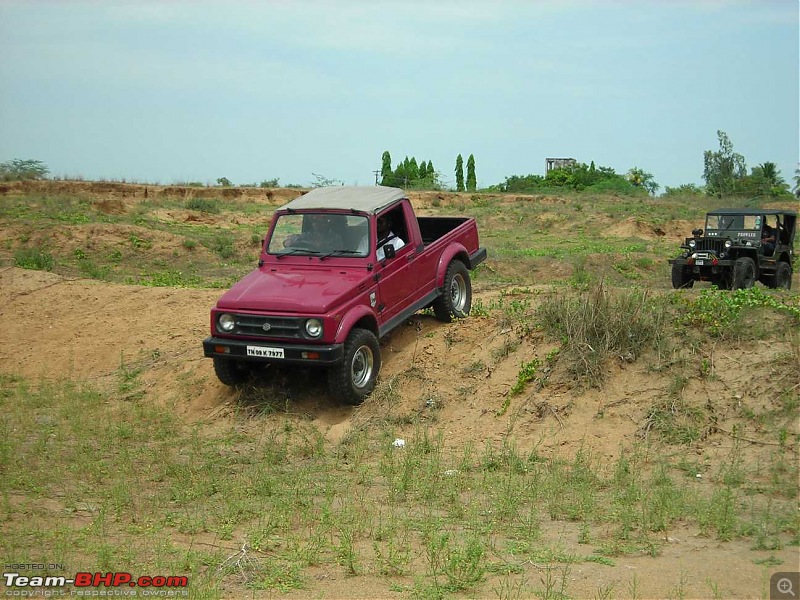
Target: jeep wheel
229, 371
681, 277
354, 378
456, 300
783, 276
744, 273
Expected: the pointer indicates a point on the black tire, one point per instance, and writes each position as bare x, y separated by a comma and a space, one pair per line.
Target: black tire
354, 378
681, 277
744, 273
230, 372
456, 299
783, 276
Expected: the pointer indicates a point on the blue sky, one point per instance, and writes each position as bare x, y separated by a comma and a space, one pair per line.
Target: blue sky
174, 91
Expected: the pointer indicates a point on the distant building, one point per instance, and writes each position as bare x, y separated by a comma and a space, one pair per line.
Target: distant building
558, 163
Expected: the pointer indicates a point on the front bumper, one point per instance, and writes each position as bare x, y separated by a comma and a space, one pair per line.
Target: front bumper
292, 353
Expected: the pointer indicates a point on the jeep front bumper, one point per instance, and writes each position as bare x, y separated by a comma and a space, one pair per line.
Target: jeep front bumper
273, 352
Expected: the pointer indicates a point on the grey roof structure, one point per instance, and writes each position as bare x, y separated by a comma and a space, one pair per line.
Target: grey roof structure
751, 211
359, 198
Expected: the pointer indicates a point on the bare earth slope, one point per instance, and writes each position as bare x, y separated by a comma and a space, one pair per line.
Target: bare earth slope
448, 374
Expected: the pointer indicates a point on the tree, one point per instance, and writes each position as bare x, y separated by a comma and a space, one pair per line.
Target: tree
472, 182
459, 174
797, 182
16, 169
386, 168
224, 182
639, 178
723, 168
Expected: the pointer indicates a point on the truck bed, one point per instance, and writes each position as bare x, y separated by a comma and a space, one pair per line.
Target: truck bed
433, 228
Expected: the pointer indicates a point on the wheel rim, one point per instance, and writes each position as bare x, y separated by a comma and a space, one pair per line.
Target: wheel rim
361, 367
458, 293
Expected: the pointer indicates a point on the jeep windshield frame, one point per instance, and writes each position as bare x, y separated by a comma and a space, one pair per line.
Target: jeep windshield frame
319, 233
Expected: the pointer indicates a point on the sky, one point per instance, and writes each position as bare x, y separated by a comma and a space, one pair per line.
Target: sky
177, 91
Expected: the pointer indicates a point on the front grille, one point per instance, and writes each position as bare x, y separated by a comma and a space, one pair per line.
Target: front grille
278, 327
708, 245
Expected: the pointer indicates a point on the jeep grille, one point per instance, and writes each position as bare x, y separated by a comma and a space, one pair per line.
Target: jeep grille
708, 245
269, 327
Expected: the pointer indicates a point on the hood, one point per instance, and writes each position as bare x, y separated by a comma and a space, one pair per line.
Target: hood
294, 289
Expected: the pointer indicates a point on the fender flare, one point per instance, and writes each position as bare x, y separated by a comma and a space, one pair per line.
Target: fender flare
453, 251
354, 315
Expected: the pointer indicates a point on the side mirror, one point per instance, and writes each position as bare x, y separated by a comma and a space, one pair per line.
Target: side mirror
389, 251
697, 232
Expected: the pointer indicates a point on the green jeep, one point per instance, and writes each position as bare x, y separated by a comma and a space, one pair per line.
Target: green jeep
738, 247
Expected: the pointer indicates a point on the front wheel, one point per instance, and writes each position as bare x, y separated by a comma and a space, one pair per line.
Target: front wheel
456, 300
681, 277
229, 371
744, 273
783, 276
353, 379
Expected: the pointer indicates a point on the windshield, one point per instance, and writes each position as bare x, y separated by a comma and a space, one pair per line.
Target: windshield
733, 222
320, 234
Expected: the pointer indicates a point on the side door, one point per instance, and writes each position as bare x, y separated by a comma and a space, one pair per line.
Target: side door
395, 275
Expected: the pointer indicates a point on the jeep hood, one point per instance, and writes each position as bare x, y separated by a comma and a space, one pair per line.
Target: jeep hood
294, 289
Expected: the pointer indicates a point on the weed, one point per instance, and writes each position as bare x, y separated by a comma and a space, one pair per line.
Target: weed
34, 258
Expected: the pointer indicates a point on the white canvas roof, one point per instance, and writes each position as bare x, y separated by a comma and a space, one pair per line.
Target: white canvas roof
348, 197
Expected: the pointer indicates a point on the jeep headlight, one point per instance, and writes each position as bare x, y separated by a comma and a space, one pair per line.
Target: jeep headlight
314, 328
692, 243
728, 243
226, 322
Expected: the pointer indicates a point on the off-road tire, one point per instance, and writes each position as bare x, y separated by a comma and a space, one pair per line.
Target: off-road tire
354, 378
230, 371
681, 277
783, 276
744, 273
456, 299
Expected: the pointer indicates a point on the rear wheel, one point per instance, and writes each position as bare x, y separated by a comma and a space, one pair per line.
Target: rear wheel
229, 371
783, 276
681, 277
744, 273
456, 300
353, 379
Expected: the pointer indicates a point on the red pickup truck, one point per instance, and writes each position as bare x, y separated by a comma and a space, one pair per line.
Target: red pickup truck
339, 269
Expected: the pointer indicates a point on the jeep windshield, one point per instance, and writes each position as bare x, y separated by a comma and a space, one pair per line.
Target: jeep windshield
322, 234
733, 222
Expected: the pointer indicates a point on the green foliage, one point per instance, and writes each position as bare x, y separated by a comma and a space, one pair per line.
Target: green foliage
18, 169
686, 189
717, 311
269, 183
722, 168
527, 372
408, 174
472, 182
638, 178
459, 173
36, 259
205, 205
579, 177
224, 182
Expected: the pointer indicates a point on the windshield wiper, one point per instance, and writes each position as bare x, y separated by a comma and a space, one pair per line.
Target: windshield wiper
297, 251
339, 253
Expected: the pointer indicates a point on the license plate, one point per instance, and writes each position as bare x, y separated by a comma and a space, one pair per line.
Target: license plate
263, 352
700, 262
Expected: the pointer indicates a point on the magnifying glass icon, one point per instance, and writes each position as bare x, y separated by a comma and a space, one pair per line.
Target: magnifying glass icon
784, 586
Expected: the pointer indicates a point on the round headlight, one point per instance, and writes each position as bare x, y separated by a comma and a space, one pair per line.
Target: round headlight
314, 328
226, 322
692, 243
728, 243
